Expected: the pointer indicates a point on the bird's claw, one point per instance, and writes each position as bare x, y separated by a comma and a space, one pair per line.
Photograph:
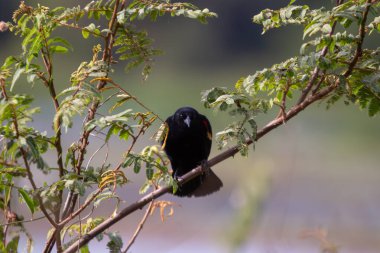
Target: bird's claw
205, 168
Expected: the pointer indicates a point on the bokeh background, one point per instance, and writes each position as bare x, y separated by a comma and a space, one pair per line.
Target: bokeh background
311, 183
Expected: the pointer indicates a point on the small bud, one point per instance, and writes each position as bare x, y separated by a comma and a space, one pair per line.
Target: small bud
3, 26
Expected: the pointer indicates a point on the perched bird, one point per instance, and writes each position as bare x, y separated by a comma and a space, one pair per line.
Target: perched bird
187, 145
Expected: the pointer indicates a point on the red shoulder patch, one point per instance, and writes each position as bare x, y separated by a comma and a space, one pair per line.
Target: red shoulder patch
207, 125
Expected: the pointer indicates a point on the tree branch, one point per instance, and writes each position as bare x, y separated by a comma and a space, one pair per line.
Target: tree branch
139, 227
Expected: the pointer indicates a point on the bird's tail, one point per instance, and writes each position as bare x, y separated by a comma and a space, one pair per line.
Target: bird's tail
210, 183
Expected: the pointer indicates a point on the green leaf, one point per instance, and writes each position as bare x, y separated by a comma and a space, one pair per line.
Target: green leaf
59, 40
85, 249
128, 161
137, 166
115, 244
149, 173
373, 107
85, 33
145, 187
14, 171
35, 152
13, 244
28, 199
58, 49
103, 196
7, 189
5, 111
124, 134
16, 76
114, 129
9, 61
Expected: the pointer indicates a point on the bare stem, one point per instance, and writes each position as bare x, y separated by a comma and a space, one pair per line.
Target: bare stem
139, 227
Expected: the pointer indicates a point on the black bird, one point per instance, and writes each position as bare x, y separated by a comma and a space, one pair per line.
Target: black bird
187, 145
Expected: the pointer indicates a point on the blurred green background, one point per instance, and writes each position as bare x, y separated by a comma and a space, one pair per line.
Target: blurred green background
317, 173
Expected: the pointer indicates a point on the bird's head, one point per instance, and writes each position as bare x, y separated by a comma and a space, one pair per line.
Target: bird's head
186, 116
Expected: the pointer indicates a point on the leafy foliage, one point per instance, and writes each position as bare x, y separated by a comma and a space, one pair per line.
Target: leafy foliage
112, 25
327, 59
332, 65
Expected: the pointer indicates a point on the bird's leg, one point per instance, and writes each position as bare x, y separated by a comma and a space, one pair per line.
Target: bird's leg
205, 168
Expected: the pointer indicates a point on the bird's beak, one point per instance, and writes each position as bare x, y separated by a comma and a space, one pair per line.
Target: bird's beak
187, 121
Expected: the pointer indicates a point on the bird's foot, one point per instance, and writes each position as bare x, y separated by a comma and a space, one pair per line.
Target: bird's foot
205, 168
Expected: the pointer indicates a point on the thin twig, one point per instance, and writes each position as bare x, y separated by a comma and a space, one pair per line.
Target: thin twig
139, 227
75, 26
82, 207
134, 98
23, 221
282, 112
